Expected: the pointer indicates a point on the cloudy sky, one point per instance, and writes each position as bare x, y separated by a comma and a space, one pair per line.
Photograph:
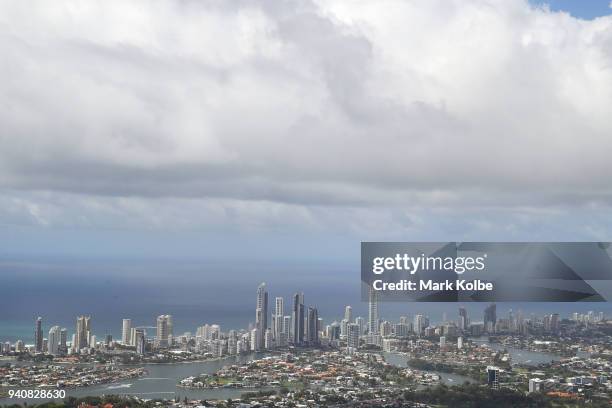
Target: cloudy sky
197, 129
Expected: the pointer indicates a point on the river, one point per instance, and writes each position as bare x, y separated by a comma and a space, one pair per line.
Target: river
400, 360
161, 382
520, 356
161, 379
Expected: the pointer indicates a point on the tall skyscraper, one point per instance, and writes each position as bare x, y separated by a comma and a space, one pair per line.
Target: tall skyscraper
344, 327
360, 321
490, 317
126, 332
279, 313
313, 326
353, 334
54, 340
268, 340
64, 340
554, 322
261, 315
170, 321
38, 336
83, 331
373, 312
419, 324
348, 313
162, 338
333, 331
298, 319
463, 322
287, 327
254, 340
139, 341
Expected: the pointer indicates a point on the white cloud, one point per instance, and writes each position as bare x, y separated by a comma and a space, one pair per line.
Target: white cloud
304, 105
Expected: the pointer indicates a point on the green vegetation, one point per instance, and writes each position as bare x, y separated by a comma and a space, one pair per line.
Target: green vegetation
469, 396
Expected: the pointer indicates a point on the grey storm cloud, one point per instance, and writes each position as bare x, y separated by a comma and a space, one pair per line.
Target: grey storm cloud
329, 103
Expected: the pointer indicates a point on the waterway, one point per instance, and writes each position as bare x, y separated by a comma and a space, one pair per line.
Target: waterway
161, 382
401, 360
526, 357
161, 379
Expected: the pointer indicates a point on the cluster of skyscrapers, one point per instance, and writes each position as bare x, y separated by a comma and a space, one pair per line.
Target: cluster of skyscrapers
272, 329
56, 343
136, 336
301, 327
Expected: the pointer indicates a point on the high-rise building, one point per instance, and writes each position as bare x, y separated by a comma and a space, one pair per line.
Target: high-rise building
535, 385
83, 331
360, 321
277, 321
442, 342
170, 320
287, 327
254, 341
419, 324
490, 317
162, 338
63, 340
463, 322
554, 322
401, 329
298, 319
268, 340
348, 313
214, 331
344, 327
232, 345
140, 341
333, 331
54, 340
373, 312
352, 339
493, 377
261, 315
126, 332
385, 328
313, 326
38, 336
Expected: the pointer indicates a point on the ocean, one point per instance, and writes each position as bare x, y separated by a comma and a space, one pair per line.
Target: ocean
195, 293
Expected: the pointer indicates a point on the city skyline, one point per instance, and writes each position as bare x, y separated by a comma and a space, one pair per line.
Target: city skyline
420, 321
